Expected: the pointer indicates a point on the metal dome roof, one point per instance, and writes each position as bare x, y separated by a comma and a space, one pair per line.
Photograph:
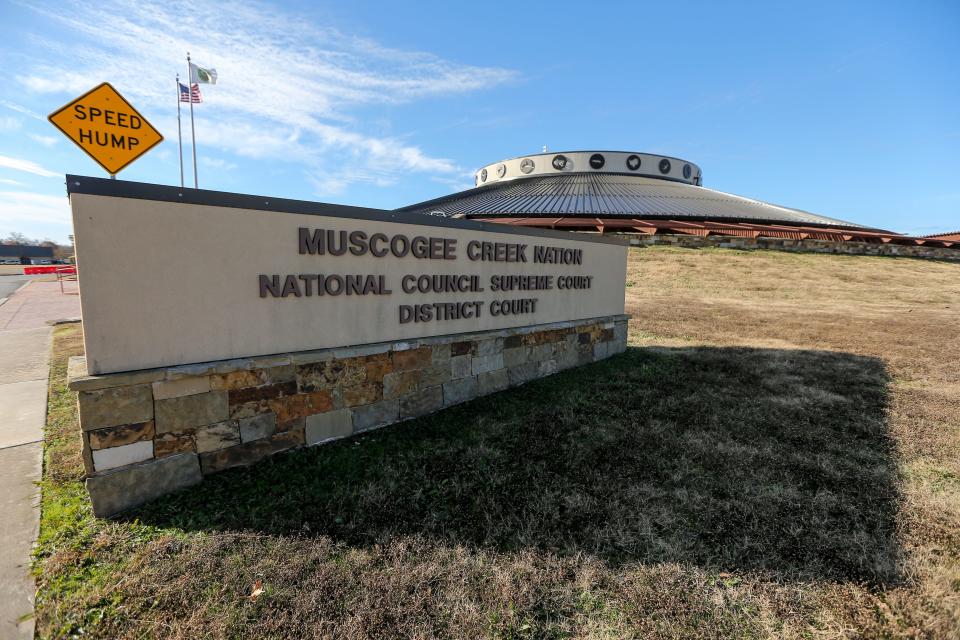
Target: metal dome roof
608, 192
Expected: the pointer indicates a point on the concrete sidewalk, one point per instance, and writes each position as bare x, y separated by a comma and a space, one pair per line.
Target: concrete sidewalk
25, 335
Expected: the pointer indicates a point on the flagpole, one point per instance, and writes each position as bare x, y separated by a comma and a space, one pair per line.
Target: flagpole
179, 132
193, 134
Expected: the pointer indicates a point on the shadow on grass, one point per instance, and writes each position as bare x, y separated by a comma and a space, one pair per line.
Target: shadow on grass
735, 459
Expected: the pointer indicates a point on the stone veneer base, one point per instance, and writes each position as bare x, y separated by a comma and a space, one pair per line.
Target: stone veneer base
148, 433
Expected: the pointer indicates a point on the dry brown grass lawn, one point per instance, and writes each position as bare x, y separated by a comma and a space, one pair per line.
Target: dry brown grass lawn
775, 456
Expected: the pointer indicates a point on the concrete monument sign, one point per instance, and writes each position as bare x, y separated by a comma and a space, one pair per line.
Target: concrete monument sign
172, 276
222, 328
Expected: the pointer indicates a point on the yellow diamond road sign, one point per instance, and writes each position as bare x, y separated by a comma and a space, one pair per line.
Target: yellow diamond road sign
107, 127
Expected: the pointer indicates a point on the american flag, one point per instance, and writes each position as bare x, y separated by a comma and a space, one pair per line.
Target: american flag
186, 95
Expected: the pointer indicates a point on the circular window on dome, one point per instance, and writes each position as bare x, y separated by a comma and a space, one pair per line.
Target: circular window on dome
560, 162
633, 162
687, 171
664, 166
527, 165
483, 175
597, 161
501, 170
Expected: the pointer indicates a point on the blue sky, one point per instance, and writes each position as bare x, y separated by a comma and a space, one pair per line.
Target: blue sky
841, 108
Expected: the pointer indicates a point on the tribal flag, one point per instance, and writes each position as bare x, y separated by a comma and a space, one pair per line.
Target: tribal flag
201, 75
190, 95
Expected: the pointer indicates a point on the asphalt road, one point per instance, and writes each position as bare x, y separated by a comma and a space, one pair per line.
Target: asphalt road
9, 284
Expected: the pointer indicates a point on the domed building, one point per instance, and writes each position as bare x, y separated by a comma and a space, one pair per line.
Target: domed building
649, 196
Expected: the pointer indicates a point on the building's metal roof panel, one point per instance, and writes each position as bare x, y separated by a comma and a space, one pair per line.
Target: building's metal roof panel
609, 195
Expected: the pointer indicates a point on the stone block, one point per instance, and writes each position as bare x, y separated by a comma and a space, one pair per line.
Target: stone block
213, 437
249, 409
114, 407
269, 362
422, 402
568, 358
546, 368
523, 373
297, 424
115, 491
375, 415
325, 375
620, 331
364, 351
253, 378
460, 367
362, 394
250, 452
515, 356
187, 412
378, 366
464, 348
114, 457
489, 347
483, 363
412, 359
400, 383
168, 444
457, 391
601, 350
257, 427
541, 352
492, 381
76, 368
164, 389
435, 375
87, 454
301, 405
79, 381
584, 354
266, 392
328, 426
119, 436
512, 342
440, 353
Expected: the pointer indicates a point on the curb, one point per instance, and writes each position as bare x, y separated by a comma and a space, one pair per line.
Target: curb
19, 289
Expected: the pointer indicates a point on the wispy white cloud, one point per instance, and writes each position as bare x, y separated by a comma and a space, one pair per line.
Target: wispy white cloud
10, 182
9, 124
20, 109
47, 141
19, 164
21, 206
217, 163
289, 90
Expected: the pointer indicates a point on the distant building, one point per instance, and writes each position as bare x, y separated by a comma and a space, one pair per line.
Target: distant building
646, 195
25, 254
